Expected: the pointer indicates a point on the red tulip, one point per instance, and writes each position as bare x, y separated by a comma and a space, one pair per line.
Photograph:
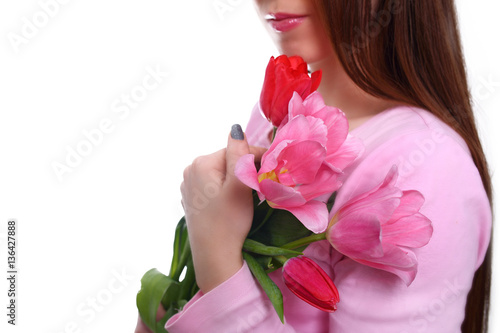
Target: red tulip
285, 75
310, 283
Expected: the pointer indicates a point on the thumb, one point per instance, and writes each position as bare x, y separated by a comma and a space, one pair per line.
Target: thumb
237, 146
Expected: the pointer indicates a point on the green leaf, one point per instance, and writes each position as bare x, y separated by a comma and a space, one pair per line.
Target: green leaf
194, 290
188, 282
253, 246
185, 256
270, 288
156, 288
260, 211
160, 325
179, 241
331, 201
264, 261
281, 228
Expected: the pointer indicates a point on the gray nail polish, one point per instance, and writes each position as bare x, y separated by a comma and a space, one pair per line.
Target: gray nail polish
237, 132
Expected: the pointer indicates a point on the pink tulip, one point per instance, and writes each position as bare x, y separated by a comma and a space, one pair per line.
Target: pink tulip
310, 283
304, 162
381, 227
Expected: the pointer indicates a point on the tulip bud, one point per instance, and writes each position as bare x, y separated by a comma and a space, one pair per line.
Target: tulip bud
284, 76
310, 283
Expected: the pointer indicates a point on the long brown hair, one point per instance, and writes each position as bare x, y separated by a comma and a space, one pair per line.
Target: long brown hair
410, 51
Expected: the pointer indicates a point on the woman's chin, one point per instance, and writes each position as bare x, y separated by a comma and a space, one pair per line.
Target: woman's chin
310, 55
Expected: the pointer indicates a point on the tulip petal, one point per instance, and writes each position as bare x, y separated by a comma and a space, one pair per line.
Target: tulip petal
382, 200
391, 177
338, 127
246, 172
334, 119
402, 263
300, 85
309, 282
342, 149
313, 215
270, 158
315, 106
283, 59
268, 89
326, 182
380, 205
316, 79
295, 107
411, 202
411, 231
297, 64
313, 103
279, 195
358, 236
347, 153
300, 170
303, 128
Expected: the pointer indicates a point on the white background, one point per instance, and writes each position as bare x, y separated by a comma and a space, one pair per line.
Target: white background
114, 212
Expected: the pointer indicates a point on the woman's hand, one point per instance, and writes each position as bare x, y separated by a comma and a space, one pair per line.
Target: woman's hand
219, 211
142, 328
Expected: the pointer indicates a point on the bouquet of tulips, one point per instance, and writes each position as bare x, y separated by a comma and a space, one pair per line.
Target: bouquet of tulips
294, 189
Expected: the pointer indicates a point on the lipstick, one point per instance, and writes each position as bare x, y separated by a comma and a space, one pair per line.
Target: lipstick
283, 22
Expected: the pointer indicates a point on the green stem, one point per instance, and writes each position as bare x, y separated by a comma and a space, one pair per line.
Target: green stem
185, 254
187, 283
305, 241
281, 259
270, 288
268, 215
180, 234
253, 246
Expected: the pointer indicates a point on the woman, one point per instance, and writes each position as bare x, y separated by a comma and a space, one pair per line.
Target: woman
396, 70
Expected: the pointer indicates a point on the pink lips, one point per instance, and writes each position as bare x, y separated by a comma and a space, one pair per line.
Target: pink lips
282, 22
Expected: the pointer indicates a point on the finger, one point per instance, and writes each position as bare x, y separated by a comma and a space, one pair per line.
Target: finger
141, 327
160, 313
208, 164
237, 146
257, 152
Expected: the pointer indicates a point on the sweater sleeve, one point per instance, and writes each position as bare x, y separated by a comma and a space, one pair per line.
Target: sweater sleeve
240, 305
433, 160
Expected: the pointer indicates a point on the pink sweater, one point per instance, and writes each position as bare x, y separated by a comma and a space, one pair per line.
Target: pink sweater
432, 159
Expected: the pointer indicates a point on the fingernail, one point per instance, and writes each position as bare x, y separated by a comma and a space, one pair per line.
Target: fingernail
237, 132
